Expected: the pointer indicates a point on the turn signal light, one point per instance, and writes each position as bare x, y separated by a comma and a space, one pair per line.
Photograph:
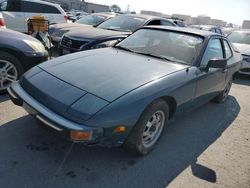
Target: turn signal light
120, 129
80, 135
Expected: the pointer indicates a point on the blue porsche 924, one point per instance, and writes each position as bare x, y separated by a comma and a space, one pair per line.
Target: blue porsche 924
126, 94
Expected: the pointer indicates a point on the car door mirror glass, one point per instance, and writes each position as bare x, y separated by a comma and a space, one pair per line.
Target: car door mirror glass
217, 63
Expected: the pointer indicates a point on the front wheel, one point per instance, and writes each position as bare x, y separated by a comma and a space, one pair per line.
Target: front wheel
224, 94
10, 70
148, 129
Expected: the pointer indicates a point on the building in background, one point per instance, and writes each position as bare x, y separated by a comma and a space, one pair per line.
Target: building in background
81, 5
154, 13
246, 24
199, 20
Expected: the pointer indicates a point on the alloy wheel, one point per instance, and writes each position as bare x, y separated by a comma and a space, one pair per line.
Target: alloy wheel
8, 74
153, 129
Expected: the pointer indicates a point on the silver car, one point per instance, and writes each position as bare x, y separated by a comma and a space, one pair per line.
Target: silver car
241, 39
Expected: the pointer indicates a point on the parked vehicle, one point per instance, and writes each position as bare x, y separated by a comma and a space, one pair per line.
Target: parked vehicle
75, 15
58, 30
212, 28
108, 33
126, 94
16, 12
2, 22
241, 39
18, 53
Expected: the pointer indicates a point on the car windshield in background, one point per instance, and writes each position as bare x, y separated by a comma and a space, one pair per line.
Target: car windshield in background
91, 20
240, 37
168, 45
122, 23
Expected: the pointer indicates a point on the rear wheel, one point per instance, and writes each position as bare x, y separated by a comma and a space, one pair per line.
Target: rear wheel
224, 94
10, 70
148, 129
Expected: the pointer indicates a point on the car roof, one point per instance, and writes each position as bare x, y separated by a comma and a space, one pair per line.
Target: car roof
43, 2
242, 31
106, 14
145, 16
203, 33
205, 26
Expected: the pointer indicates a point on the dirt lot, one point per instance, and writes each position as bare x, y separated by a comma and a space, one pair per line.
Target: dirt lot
208, 148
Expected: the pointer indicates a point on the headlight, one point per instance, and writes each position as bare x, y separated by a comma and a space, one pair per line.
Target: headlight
36, 46
246, 58
104, 44
59, 33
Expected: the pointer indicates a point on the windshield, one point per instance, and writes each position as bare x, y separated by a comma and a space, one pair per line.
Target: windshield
122, 23
91, 20
240, 37
169, 45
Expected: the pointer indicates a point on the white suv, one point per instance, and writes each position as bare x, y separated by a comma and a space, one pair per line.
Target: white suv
16, 12
2, 22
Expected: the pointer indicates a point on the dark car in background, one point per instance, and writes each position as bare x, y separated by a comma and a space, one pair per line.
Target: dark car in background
126, 94
18, 53
212, 28
108, 33
58, 30
241, 39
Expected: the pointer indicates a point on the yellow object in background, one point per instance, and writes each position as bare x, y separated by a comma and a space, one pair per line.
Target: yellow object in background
39, 23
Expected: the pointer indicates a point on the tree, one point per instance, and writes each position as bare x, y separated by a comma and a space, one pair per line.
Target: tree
115, 8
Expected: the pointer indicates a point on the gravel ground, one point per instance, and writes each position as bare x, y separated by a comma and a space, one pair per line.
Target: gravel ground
210, 147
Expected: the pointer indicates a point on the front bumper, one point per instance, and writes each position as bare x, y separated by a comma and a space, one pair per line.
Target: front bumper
31, 60
48, 117
245, 68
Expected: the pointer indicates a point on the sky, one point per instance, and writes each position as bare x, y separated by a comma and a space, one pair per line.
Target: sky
231, 11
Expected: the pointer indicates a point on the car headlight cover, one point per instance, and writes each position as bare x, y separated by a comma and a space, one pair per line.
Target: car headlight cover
104, 44
36, 46
87, 106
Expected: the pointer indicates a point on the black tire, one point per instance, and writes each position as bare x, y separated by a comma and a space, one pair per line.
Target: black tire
134, 141
4, 56
224, 94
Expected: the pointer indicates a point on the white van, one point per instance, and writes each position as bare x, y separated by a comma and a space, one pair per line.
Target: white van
16, 12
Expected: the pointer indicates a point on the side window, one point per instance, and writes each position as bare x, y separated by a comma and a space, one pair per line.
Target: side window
167, 23
38, 8
213, 50
154, 22
50, 9
3, 6
228, 50
11, 5
218, 31
213, 30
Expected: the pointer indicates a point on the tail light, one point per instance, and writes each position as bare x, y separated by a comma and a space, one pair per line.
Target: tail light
2, 22
66, 18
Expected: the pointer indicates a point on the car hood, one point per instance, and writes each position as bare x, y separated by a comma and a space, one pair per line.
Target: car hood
108, 73
64, 26
11, 35
93, 33
243, 48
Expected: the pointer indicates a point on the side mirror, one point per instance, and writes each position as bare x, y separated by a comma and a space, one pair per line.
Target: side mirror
217, 63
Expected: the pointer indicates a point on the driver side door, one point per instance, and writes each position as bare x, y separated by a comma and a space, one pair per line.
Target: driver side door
211, 82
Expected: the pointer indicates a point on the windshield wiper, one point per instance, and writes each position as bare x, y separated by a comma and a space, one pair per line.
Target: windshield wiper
155, 56
152, 55
123, 48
